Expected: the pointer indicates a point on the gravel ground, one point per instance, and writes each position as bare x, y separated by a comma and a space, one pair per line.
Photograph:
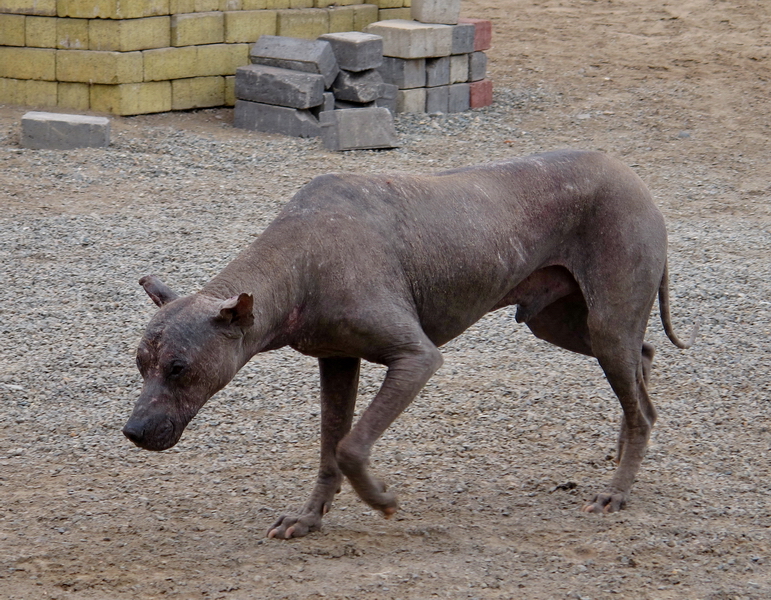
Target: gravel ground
494, 460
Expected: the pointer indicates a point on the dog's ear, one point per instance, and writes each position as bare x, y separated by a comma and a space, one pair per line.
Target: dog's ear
158, 291
237, 310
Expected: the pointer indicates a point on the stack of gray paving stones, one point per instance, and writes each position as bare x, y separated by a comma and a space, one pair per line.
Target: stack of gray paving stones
329, 87
432, 59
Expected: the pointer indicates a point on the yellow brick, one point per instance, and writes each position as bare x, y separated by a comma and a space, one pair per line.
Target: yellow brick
181, 6
28, 63
92, 66
112, 9
29, 7
197, 92
363, 15
27, 92
340, 18
308, 23
198, 28
72, 34
277, 4
12, 30
248, 25
41, 32
330, 3
389, 3
230, 90
169, 63
231, 5
254, 4
301, 3
74, 96
132, 98
126, 35
220, 59
395, 13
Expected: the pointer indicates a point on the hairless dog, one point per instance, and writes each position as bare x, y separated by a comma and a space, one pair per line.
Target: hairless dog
387, 268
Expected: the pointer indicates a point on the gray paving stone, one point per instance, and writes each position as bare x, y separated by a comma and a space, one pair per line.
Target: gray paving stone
404, 73
275, 119
282, 87
436, 11
356, 51
54, 131
459, 95
309, 56
410, 39
365, 86
437, 71
412, 100
358, 128
438, 99
477, 66
388, 97
463, 35
459, 68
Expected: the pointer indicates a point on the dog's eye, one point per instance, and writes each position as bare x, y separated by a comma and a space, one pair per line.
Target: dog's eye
176, 368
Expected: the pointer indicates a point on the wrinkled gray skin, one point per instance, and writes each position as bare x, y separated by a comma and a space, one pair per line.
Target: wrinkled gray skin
386, 268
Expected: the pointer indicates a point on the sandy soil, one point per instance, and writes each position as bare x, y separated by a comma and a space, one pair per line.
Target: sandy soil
511, 436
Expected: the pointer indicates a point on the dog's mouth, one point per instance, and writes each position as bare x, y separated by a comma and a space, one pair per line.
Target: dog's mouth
155, 435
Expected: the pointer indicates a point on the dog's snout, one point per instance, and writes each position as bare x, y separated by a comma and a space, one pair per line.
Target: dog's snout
134, 432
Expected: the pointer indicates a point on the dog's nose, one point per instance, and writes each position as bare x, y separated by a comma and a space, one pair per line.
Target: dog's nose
134, 432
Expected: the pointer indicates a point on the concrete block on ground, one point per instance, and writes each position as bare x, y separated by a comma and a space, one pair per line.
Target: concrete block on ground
51, 131
365, 86
459, 98
356, 51
463, 36
483, 33
438, 99
308, 23
74, 96
410, 39
388, 97
28, 92
459, 68
480, 93
197, 92
436, 11
358, 128
477, 66
437, 71
411, 101
328, 104
275, 119
112, 9
132, 98
280, 87
309, 56
404, 73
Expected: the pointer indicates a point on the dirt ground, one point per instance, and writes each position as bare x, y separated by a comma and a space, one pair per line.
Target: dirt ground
510, 437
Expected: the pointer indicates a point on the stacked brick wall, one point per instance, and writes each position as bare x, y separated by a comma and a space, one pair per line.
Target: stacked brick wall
147, 56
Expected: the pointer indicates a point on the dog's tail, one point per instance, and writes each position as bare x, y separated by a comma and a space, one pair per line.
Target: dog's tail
666, 318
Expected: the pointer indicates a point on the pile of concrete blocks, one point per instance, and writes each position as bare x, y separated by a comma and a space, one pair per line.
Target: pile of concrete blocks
328, 87
132, 57
437, 60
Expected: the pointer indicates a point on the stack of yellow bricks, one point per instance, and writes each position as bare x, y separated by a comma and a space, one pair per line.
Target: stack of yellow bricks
130, 57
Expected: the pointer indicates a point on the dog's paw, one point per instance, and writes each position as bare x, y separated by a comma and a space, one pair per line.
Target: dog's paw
609, 501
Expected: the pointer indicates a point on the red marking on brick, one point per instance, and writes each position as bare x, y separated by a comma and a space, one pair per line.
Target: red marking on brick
483, 34
480, 93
